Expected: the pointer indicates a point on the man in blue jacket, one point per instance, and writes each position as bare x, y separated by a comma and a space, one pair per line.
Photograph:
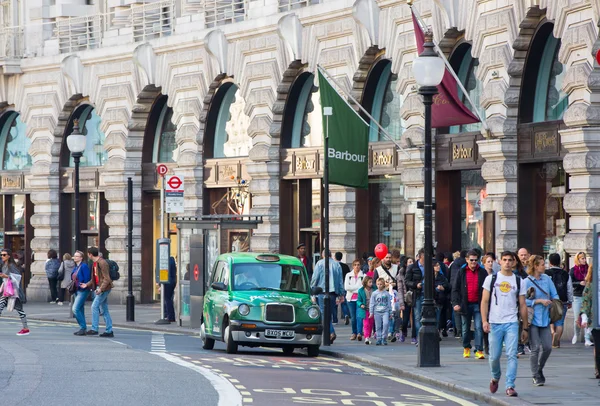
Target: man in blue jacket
336, 286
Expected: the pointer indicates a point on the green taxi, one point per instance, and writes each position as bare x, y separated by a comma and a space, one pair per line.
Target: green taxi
260, 300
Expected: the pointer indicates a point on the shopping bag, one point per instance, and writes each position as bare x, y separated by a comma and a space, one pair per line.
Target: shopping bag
9, 290
11, 304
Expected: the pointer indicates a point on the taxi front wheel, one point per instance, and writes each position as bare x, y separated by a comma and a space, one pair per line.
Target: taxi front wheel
207, 342
231, 346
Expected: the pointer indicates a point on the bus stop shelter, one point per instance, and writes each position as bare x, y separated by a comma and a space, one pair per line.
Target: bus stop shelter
200, 241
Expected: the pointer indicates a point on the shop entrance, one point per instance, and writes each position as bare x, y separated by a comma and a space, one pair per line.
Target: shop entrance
16, 231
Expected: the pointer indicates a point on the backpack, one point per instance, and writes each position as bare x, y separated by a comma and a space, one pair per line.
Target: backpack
492, 286
113, 269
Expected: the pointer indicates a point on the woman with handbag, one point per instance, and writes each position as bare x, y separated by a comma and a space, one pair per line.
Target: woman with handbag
64, 276
12, 274
586, 318
81, 285
578, 274
540, 335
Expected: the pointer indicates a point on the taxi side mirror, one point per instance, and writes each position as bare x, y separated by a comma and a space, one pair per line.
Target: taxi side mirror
316, 290
218, 286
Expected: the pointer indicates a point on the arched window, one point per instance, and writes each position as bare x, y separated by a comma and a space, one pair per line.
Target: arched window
89, 125
165, 145
14, 143
542, 97
466, 67
302, 121
382, 100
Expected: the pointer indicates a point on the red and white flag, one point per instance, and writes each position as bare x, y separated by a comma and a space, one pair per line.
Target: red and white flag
447, 109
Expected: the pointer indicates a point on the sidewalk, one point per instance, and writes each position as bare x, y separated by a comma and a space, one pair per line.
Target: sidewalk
569, 371
145, 316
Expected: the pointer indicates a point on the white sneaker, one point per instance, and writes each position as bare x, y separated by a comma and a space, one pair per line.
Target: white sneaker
367, 341
574, 340
588, 343
60, 303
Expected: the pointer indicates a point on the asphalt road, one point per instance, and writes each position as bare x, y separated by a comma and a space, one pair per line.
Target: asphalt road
151, 368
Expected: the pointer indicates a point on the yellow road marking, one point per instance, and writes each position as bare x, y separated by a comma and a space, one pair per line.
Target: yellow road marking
240, 386
436, 392
247, 400
234, 381
245, 393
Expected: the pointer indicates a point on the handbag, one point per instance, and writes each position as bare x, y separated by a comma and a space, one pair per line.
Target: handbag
74, 284
9, 290
556, 308
408, 298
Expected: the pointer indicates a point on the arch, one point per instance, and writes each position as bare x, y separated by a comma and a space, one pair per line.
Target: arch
542, 98
159, 133
89, 124
298, 106
382, 101
14, 143
466, 67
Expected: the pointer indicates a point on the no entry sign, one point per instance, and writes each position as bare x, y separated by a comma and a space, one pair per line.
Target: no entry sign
174, 194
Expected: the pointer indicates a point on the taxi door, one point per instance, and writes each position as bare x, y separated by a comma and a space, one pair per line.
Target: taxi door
221, 298
209, 301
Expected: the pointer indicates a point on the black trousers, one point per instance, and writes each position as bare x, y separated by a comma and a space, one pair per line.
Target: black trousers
169, 308
53, 282
596, 337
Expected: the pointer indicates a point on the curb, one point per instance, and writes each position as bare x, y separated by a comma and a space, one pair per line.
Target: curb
157, 327
415, 376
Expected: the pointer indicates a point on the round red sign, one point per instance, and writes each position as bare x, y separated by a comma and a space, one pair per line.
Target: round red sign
162, 169
598, 57
196, 272
174, 182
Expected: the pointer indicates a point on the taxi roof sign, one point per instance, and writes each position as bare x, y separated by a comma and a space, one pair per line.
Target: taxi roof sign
268, 258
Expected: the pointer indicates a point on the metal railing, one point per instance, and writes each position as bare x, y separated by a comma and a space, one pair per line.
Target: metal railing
78, 33
152, 20
221, 12
288, 5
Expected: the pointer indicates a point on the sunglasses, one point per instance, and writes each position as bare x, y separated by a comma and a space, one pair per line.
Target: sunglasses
472, 260
4, 255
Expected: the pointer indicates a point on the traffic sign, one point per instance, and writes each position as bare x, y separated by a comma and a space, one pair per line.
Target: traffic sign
162, 169
174, 194
196, 272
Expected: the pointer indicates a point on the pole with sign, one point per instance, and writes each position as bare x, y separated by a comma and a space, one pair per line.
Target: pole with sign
161, 244
595, 323
174, 194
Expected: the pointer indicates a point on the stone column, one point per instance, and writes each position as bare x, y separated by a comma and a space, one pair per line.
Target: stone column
342, 221
264, 188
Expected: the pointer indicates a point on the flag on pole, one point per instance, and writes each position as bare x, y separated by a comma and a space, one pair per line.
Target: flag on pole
348, 134
447, 109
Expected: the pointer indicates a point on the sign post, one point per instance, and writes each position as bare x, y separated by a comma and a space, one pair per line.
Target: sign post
162, 170
595, 323
174, 194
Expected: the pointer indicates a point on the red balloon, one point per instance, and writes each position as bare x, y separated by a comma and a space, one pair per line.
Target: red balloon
381, 250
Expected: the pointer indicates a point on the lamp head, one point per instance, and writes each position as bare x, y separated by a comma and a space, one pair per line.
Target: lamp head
76, 141
428, 68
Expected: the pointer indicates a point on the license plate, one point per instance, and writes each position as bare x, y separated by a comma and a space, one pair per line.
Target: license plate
280, 333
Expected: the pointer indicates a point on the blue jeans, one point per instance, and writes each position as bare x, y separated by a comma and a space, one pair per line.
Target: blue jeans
473, 312
79, 307
346, 310
507, 334
333, 307
101, 301
353, 320
417, 312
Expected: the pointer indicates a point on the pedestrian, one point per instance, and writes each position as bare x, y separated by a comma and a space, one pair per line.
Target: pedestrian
365, 263
578, 274
101, 275
10, 271
388, 271
305, 259
442, 290
82, 277
379, 310
362, 311
488, 263
170, 291
51, 267
562, 282
524, 255
540, 336
521, 271
501, 304
401, 283
352, 283
466, 299
414, 279
336, 289
495, 264
374, 263
586, 317
64, 276
457, 263
344, 305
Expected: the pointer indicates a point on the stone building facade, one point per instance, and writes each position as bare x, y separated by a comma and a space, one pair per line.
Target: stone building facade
129, 64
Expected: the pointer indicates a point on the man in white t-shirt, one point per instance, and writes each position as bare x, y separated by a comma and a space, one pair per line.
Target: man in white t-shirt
503, 302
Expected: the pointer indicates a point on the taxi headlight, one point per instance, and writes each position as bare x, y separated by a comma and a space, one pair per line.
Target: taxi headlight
244, 309
314, 312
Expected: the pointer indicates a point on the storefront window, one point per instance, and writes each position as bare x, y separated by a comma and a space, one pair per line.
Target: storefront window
93, 211
466, 68
388, 206
316, 203
385, 105
550, 101
554, 214
165, 146
231, 128
89, 125
15, 144
473, 191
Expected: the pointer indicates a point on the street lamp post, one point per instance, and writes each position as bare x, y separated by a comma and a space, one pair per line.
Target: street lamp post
428, 70
76, 143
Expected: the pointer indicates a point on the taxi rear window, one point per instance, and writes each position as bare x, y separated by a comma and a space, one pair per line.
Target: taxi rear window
269, 276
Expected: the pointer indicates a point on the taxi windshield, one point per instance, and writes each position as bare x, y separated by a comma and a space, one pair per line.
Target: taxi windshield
263, 276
